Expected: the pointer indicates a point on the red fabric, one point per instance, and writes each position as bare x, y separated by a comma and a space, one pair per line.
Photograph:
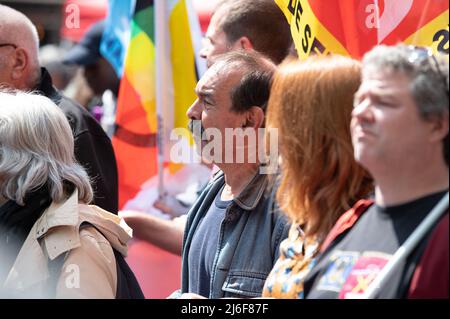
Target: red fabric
132, 143
157, 271
431, 277
204, 10
79, 15
357, 37
346, 221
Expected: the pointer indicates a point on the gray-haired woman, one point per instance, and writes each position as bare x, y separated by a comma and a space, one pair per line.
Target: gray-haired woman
44, 216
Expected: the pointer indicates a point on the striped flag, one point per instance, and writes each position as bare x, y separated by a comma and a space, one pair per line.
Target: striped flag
353, 27
159, 73
157, 87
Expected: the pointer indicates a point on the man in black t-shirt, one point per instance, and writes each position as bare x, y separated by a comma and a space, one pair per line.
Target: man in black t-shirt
399, 130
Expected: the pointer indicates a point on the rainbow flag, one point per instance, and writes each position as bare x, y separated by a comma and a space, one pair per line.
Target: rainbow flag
159, 65
353, 27
157, 87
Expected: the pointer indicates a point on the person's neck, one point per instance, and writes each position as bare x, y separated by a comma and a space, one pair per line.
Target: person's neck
402, 186
237, 178
34, 78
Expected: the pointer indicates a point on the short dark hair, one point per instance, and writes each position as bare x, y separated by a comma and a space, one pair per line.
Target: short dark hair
253, 90
262, 22
254, 87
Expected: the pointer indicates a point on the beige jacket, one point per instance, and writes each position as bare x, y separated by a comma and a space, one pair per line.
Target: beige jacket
89, 269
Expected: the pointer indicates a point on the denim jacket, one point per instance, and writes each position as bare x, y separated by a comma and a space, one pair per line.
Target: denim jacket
249, 239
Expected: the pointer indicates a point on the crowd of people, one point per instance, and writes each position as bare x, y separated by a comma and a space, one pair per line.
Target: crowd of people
358, 207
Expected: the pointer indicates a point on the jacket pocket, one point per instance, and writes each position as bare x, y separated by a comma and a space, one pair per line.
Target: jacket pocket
244, 284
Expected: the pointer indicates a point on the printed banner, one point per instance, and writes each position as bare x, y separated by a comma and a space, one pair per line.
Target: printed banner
353, 27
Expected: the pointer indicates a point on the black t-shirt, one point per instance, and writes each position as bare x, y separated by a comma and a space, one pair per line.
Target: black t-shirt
204, 247
353, 260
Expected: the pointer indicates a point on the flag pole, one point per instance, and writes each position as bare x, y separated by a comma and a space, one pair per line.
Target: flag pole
403, 252
161, 54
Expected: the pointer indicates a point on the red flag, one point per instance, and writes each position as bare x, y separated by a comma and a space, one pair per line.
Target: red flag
353, 27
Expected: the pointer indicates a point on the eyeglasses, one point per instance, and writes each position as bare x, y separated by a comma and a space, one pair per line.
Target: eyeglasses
8, 45
419, 55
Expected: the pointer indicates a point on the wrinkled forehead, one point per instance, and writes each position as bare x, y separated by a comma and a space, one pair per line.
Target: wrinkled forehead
208, 81
220, 75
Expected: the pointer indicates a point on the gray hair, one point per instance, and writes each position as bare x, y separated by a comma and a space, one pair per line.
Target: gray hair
429, 77
37, 147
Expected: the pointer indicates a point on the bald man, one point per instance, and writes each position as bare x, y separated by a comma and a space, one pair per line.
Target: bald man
20, 69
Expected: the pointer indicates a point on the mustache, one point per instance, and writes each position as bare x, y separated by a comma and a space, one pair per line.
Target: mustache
196, 128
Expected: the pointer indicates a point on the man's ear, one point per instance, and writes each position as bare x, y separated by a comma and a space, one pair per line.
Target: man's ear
255, 117
439, 127
20, 64
244, 43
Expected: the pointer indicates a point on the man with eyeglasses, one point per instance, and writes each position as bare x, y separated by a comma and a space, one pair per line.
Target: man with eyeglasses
399, 129
20, 69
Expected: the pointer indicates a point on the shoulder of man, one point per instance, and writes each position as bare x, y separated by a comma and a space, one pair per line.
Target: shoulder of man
80, 120
281, 223
280, 233
346, 221
216, 181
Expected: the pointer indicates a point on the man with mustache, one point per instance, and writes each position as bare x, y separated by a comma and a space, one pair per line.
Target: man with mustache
232, 235
235, 25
